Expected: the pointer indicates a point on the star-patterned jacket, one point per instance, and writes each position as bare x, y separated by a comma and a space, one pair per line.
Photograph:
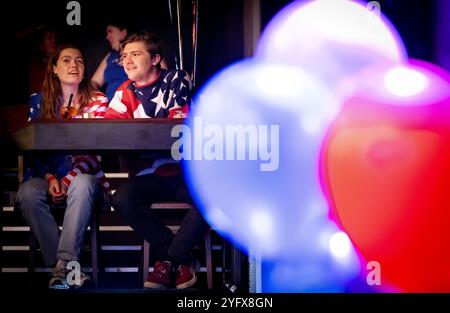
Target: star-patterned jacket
167, 97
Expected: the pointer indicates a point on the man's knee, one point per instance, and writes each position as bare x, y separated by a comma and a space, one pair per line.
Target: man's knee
120, 199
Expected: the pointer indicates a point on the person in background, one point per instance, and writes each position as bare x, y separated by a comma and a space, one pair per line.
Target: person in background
63, 179
153, 92
110, 73
46, 47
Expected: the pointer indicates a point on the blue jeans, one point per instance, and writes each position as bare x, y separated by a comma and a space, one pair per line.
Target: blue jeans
33, 201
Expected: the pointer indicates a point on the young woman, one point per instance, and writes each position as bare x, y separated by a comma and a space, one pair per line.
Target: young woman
74, 180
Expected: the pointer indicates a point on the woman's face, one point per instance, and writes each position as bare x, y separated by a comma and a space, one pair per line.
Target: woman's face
115, 36
70, 67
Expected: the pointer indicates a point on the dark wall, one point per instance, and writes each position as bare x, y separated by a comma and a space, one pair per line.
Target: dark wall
414, 20
220, 36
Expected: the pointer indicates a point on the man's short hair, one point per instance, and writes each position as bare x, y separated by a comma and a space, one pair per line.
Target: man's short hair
152, 42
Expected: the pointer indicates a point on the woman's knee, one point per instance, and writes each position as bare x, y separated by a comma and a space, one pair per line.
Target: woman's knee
31, 190
84, 182
32, 197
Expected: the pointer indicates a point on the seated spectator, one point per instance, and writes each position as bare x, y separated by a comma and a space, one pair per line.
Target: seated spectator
63, 179
154, 92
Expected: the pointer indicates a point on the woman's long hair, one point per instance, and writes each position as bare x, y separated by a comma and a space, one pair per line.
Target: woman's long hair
52, 99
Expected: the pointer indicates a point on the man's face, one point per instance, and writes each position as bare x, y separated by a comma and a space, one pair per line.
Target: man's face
138, 63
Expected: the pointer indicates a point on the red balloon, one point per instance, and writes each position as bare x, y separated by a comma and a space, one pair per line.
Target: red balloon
386, 170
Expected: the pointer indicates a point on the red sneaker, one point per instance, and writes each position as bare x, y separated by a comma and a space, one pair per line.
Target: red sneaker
160, 277
185, 277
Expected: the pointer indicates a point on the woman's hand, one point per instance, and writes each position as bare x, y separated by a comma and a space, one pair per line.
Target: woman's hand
57, 190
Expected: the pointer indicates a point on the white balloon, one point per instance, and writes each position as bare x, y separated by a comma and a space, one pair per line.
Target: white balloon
331, 39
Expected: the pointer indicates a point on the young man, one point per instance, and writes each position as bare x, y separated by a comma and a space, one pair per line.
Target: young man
154, 92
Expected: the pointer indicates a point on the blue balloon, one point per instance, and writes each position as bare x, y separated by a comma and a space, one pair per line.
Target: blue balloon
251, 157
251, 151
318, 270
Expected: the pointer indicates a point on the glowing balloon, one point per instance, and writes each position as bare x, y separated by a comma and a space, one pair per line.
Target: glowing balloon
386, 162
327, 268
251, 151
330, 38
255, 139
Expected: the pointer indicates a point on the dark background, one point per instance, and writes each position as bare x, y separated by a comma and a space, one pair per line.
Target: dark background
220, 42
220, 33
